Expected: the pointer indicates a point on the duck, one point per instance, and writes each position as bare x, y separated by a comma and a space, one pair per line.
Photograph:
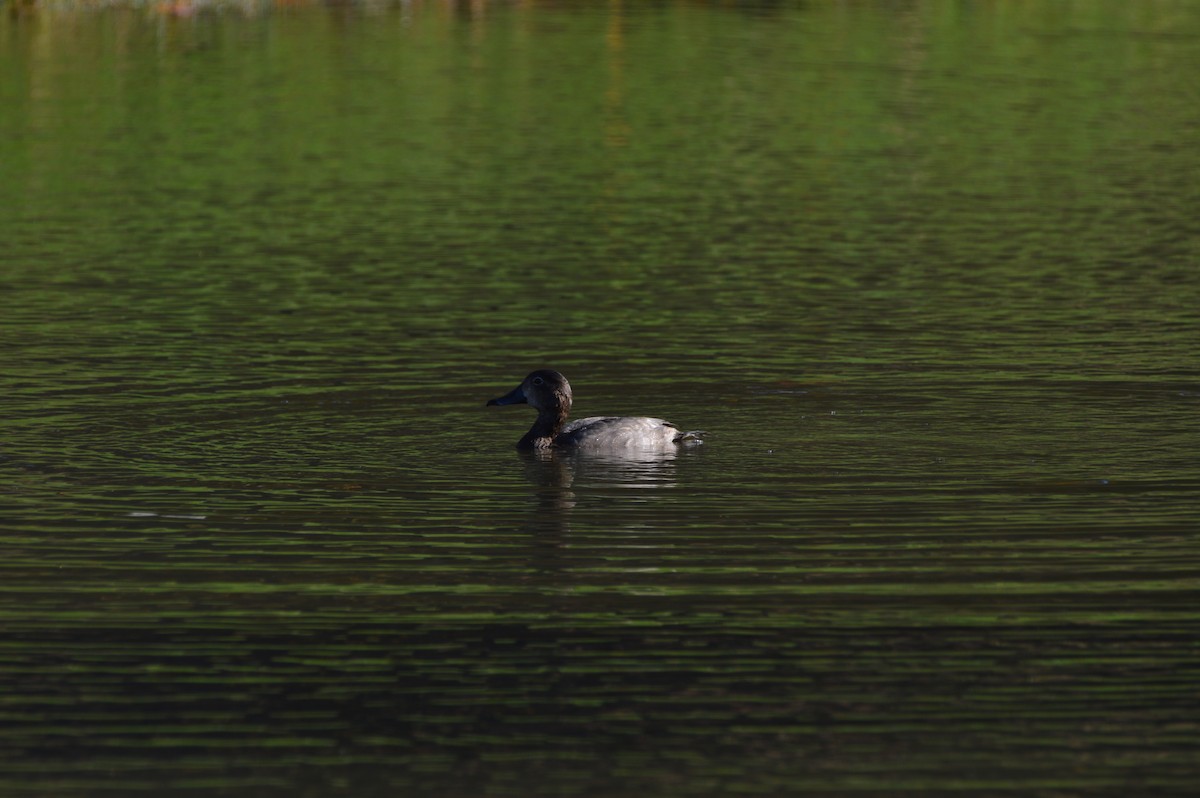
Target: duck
548, 392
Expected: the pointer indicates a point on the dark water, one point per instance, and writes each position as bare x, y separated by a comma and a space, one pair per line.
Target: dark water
925, 272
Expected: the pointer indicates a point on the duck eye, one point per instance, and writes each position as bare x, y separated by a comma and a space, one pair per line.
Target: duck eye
538, 380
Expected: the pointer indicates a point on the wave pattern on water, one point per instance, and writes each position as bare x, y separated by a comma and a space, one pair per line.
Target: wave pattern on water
926, 281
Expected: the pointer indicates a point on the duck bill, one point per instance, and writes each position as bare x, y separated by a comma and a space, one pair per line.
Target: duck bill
514, 397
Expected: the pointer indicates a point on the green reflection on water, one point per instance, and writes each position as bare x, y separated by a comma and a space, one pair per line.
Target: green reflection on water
924, 273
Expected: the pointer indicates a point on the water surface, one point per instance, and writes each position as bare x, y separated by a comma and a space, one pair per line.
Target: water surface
925, 275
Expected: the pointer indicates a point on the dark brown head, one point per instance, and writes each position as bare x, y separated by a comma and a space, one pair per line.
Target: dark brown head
545, 390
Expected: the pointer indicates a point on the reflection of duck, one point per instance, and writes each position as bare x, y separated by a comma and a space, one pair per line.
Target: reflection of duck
549, 393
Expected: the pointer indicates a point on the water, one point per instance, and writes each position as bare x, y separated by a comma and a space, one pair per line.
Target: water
925, 275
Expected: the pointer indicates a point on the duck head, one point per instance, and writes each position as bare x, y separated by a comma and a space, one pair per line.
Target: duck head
544, 390
549, 393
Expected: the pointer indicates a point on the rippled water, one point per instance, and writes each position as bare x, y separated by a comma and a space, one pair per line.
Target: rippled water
925, 275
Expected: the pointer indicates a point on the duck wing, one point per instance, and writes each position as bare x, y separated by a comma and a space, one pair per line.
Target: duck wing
618, 431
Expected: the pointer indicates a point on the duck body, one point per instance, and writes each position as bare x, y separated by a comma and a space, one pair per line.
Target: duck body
616, 431
549, 393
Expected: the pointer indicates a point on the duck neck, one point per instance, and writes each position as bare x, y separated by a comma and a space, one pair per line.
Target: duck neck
544, 431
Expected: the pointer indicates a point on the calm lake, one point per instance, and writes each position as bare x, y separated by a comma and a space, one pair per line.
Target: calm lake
927, 274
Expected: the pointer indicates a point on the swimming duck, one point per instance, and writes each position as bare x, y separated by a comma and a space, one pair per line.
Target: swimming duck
549, 393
